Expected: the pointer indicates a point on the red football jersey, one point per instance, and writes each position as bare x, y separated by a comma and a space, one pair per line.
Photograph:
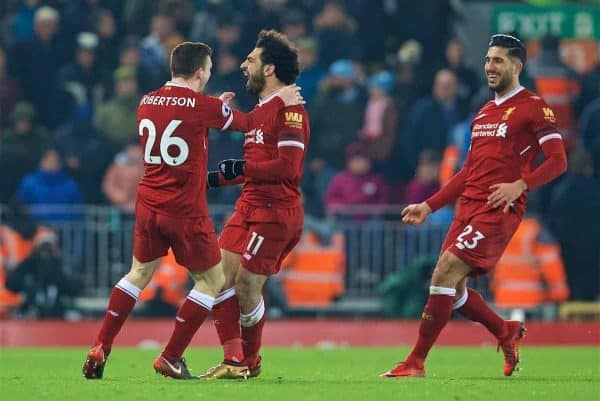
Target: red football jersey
289, 127
506, 135
173, 128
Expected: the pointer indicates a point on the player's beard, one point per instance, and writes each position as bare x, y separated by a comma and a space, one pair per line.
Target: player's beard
256, 83
501, 84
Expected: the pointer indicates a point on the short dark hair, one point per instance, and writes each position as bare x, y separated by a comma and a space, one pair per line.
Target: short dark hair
513, 44
279, 51
187, 57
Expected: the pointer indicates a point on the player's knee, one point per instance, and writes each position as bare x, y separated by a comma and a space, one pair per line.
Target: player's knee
446, 273
140, 275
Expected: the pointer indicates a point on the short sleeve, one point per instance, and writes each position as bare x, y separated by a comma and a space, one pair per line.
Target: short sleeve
292, 128
214, 112
544, 122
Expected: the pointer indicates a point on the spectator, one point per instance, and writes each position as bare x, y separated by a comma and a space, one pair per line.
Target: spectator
123, 176
426, 182
357, 185
36, 62
574, 216
590, 88
86, 154
227, 76
293, 25
590, 133
380, 120
107, 51
555, 82
47, 187
431, 118
530, 276
315, 181
154, 55
467, 78
336, 33
336, 114
48, 291
82, 79
129, 56
21, 147
21, 22
311, 71
10, 91
116, 117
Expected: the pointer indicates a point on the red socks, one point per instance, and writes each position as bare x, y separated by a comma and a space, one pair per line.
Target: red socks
189, 318
122, 300
435, 316
474, 308
252, 327
226, 317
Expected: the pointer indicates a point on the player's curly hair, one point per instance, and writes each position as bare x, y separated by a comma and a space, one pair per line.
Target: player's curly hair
279, 51
187, 57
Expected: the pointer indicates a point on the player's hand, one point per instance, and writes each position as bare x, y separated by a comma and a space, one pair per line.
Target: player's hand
506, 193
231, 168
212, 179
415, 213
291, 95
227, 97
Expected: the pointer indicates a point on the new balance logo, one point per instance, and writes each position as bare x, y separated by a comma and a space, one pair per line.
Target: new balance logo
180, 320
479, 116
113, 313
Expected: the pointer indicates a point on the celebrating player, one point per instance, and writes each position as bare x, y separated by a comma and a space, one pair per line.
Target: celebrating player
171, 209
268, 217
506, 137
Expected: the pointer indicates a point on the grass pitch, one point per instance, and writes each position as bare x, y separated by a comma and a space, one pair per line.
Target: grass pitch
290, 374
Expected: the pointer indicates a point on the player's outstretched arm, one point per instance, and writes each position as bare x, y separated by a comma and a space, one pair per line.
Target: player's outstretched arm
288, 96
416, 213
450, 192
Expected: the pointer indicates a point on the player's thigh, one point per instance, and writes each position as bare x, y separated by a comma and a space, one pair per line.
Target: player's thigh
141, 273
194, 242
234, 233
483, 239
149, 243
231, 263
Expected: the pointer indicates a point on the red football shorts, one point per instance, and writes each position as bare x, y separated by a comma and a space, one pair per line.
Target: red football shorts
263, 236
193, 240
479, 234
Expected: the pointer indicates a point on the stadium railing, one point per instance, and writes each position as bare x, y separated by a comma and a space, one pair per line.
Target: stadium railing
96, 243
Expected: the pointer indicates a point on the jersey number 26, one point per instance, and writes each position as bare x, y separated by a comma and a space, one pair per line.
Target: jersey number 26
167, 139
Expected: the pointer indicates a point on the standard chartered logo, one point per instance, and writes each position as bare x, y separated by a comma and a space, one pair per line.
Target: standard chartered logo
501, 131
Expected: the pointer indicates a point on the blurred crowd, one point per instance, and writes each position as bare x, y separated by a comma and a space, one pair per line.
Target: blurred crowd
389, 92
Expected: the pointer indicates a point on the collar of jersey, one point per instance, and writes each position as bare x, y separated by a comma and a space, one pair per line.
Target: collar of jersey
508, 95
268, 97
177, 84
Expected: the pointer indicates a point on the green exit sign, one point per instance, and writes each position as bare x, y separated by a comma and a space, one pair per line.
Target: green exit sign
568, 22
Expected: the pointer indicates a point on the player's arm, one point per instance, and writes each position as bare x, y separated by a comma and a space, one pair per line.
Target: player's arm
286, 167
449, 192
417, 213
218, 114
554, 165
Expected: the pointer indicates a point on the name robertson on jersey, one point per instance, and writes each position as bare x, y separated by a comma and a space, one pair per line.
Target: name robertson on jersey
169, 101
